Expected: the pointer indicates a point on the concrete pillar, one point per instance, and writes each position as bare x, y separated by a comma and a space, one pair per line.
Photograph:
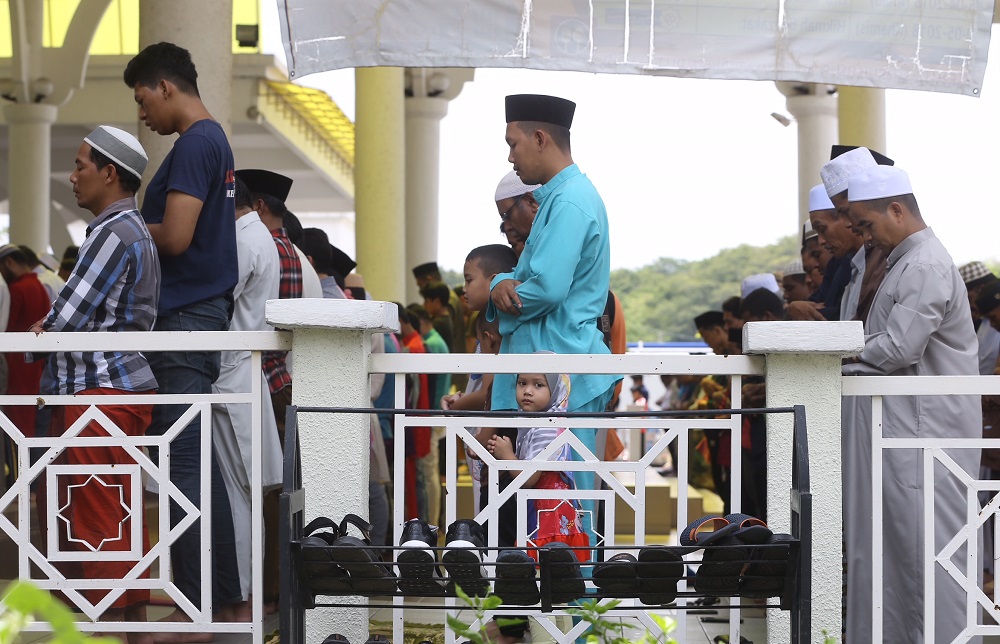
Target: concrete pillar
331, 341
204, 29
814, 108
798, 352
423, 152
30, 132
379, 181
861, 114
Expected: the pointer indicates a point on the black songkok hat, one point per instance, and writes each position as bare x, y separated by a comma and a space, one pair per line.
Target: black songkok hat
709, 319
265, 182
341, 263
538, 107
989, 297
430, 268
880, 159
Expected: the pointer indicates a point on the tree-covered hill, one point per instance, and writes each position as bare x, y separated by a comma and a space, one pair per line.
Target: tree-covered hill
661, 300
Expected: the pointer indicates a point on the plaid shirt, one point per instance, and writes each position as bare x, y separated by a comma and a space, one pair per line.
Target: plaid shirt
289, 286
115, 286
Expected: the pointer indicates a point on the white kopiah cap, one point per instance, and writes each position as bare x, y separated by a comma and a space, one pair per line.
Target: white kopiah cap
119, 146
512, 186
878, 183
760, 280
819, 200
839, 171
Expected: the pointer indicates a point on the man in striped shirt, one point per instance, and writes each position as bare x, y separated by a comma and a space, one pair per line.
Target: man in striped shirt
114, 286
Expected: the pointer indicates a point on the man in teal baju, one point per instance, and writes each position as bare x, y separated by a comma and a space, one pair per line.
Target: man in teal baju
552, 299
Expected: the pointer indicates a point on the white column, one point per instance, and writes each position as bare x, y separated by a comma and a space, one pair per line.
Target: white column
423, 155
206, 30
331, 340
861, 114
814, 108
30, 162
380, 181
797, 353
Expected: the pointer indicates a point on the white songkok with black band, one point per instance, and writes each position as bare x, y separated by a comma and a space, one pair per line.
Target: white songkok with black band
839, 171
119, 146
512, 186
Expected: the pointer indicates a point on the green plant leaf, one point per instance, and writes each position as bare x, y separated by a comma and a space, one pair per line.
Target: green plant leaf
492, 602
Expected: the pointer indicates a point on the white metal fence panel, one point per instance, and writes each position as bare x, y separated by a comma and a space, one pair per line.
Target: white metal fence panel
50, 576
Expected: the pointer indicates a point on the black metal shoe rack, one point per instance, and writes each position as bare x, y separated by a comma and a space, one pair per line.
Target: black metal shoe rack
788, 577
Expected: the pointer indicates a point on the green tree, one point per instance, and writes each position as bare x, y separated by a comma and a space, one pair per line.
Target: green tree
661, 300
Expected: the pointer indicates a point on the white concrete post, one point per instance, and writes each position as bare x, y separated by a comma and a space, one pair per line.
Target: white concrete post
30, 154
803, 367
331, 342
423, 151
815, 110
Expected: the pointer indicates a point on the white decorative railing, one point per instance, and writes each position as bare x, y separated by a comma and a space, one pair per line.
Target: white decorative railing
199, 407
933, 451
676, 429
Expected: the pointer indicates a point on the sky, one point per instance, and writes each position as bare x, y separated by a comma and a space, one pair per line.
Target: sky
688, 167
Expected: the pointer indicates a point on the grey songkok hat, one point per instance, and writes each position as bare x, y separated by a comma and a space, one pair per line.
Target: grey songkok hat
119, 146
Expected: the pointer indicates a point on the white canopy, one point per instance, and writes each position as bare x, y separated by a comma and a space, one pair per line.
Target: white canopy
936, 45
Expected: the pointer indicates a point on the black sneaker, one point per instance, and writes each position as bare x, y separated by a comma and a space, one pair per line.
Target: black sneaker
416, 563
515, 582
564, 568
463, 558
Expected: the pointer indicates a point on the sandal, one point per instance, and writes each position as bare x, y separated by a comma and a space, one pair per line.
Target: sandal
618, 576
317, 571
765, 574
369, 576
723, 561
750, 530
660, 568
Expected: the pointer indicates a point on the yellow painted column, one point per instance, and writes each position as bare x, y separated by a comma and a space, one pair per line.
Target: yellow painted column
380, 181
861, 112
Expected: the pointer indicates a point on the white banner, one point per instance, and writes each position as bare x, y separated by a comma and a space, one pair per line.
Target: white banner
935, 45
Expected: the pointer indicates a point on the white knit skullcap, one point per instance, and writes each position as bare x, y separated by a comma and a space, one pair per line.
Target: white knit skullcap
119, 146
878, 183
512, 186
819, 200
839, 171
794, 268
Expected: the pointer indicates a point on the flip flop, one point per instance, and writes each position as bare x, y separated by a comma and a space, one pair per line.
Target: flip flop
765, 574
659, 570
706, 531
369, 576
618, 576
515, 583
750, 530
317, 571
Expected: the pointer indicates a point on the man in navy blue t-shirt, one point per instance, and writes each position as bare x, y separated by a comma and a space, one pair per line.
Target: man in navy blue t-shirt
190, 212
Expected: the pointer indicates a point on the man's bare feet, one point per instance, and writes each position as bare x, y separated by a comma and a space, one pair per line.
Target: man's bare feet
183, 637
241, 612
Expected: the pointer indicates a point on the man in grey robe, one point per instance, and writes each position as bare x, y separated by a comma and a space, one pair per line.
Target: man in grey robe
919, 324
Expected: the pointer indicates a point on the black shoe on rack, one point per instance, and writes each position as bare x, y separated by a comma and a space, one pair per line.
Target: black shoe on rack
416, 560
463, 558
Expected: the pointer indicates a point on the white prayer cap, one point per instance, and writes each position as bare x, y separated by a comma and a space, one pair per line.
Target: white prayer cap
819, 200
879, 182
512, 186
760, 280
794, 268
808, 232
119, 146
839, 171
